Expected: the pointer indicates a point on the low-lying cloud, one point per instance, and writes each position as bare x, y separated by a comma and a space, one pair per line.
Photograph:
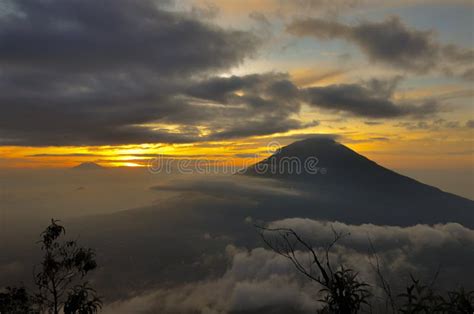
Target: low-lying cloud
258, 279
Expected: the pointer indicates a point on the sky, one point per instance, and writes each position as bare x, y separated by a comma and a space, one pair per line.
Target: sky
116, 82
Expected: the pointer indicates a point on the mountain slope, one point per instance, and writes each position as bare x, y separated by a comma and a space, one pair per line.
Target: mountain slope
332, 162
346, 179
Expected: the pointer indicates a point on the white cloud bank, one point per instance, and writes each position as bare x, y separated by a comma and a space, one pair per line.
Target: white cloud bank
259, 280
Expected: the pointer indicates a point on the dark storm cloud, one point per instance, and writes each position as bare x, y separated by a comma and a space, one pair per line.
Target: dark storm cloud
370, 100
90, 35
372, 122
390, 42
88, 72
270, 99
126, 72
276, 86
429, 125
266, 102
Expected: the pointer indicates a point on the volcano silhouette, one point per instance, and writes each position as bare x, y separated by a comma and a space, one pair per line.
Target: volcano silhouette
325, 160
346, 179
88, 166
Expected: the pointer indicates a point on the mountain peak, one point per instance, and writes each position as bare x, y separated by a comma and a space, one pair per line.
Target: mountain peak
89, 165
326, 162
340, 175
301, 160
316, 140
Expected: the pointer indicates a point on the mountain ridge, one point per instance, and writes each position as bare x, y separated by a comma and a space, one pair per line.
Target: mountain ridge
353, 181
332, 156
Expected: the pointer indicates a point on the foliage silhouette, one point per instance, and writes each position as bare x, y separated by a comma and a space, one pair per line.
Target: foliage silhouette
422, 298
15, 301
64, 263
343, 292
82, 299
59, 279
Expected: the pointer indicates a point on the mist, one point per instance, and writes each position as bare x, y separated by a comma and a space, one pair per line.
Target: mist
181, 237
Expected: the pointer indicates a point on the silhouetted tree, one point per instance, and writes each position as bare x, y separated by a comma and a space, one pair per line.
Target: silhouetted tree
390, 302
15, 301
64, 266
423, 299
82, 299
343, 292
59, 279
420, 298
460, 301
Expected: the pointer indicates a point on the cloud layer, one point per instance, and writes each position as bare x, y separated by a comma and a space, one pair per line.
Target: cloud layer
371, 100
393, 43
89, 73
83, 72
258, 279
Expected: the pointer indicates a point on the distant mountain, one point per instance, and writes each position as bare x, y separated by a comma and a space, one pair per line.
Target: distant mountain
346, 179
88, 166
327, 161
